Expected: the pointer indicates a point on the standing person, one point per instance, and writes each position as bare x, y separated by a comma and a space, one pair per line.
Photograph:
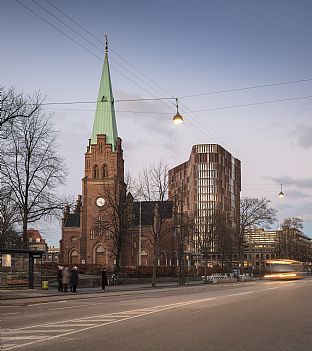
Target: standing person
65, 278
104, 278
59, 278
74, 279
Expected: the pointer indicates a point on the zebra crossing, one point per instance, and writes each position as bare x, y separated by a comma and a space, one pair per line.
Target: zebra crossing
22, 337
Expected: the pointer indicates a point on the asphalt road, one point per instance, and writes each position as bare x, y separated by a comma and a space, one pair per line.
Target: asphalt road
244, 316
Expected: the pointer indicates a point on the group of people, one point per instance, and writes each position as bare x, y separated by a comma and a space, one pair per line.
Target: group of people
67, 279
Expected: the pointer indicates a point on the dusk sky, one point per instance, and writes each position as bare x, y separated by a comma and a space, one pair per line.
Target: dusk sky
196, 51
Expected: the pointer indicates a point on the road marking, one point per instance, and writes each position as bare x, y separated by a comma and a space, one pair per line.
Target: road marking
242, 293
45, 303
6, 314
12, 331
68, 327
83, 324
25, 337
63, 308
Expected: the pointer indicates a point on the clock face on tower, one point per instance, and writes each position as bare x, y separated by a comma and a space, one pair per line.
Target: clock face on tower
100, 201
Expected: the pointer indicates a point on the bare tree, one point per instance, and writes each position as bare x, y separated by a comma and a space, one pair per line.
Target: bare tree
289, 243
115, 219
224, 234
183, 226
153, 186
14, 105
205, 231
9, 219
30, 165
253, 213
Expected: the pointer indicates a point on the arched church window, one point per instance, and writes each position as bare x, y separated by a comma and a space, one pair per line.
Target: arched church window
95, 171
104, 171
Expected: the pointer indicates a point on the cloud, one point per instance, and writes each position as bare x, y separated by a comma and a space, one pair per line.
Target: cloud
304, 183
303, 136
296, 194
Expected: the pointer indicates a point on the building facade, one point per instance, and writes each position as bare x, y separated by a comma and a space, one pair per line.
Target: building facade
35, 241
84, 231
208, 183
105, 207
262, 245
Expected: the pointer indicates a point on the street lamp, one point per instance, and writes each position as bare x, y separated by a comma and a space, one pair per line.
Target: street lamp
281, 194
177, 119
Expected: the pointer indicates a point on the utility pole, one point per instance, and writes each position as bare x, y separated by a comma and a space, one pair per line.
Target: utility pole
180, 237
140, 233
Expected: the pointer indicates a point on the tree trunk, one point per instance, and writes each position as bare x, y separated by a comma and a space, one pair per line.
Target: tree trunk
206, 267
181, 266
117, 266
25, 225
154, 268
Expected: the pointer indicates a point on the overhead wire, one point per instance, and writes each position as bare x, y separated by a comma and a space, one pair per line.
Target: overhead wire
88, 41
249, 88
80, 45
113, 51
203, 126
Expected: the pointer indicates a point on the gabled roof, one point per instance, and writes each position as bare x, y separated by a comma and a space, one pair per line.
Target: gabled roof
147, 211
73, 220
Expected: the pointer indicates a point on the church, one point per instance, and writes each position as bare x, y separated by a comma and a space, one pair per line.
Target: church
107, 227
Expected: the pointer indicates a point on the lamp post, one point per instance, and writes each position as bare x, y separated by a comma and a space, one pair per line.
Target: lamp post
281, 194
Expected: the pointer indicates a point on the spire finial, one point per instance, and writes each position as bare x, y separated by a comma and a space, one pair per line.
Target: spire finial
106, 43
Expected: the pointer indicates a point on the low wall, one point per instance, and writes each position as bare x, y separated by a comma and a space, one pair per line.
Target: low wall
93, 281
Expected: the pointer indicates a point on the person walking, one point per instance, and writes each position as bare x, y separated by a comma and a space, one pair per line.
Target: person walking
65, 278
74, 279
104, 278
59, 278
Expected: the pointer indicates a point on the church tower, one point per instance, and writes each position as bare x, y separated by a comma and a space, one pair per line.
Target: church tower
102, 184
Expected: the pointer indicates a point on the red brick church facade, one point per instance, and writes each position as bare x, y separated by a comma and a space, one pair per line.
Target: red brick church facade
85, 237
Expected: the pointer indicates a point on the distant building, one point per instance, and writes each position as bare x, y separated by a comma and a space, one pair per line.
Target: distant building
52, 255
262, 245
35, 241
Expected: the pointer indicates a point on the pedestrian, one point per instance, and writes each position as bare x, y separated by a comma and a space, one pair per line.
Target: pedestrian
65, 278
59, 278
104, 278
74, 279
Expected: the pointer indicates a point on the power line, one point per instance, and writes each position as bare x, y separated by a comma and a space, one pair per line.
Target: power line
57, 29
189, 111
249, 88
80, 45
203, 127
113, 51
256, 103
84, 38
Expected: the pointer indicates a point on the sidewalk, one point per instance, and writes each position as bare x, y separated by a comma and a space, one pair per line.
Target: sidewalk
17, 296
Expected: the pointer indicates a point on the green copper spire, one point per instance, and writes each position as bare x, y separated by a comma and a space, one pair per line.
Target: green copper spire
104, 119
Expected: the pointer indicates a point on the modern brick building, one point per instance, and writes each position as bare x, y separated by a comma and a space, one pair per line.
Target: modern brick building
208, 182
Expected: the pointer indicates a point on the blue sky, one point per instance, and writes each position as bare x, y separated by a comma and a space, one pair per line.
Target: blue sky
185, 49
